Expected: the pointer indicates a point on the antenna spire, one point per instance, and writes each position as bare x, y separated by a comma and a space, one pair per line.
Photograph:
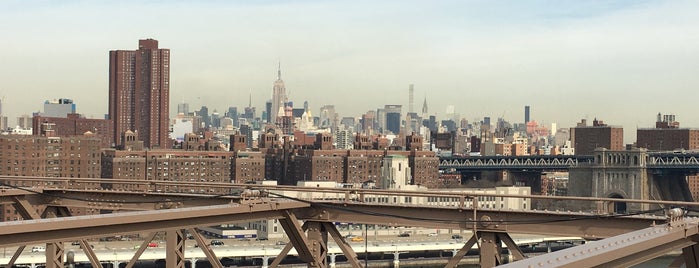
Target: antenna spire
279, 71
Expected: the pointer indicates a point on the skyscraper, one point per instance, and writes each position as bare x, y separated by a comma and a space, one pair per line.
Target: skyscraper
526, 114
139, 93
393, 118
279, 97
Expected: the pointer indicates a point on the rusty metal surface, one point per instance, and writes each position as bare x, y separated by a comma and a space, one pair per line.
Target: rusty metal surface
621, 251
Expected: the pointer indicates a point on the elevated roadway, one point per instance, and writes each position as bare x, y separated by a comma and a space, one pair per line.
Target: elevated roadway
307, 222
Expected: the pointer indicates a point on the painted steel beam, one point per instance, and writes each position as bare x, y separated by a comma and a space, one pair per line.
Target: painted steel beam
174, 251
141, 249
205, 247
129, 201
90, 253
621, 251
462, 252
15, 256
587, 226
83, 227
285, 251
298, 238
341, 242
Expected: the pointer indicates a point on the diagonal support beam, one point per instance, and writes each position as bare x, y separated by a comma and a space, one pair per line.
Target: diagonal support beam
344, 246
206, 248
517, 253
174, 251
281, 256
94, 261
24, 208
15, 256
462, 252
292, 228
140, 250
285, 250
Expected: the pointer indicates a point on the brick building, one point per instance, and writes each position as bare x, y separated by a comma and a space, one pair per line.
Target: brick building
167, 165
139, 93
586, 139
74, 125
42, 156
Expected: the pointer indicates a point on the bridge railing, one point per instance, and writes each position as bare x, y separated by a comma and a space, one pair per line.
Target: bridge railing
466, 199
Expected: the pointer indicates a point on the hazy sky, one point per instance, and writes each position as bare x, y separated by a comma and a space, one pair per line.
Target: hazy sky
620, 61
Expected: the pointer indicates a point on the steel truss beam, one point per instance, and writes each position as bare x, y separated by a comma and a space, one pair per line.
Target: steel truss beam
14, 258
522, 222
490, 249
141, 249
90, 254
285, 251
623, 250
174, 251
347, 250
54, 255
309, 253
83, 227
330, 229
206, 248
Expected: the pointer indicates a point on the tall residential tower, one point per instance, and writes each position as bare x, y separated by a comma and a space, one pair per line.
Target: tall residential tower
139, 88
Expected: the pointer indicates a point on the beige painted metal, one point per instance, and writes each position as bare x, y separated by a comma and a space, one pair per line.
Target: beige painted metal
318, 244
94, 261
141, 249
462, 252
54, 255
341, 242
623, 250
84, 227
282, 254
285, 251
206, 248
585, 225
174, 250
291, 226
514, 249
490, 249
15, 256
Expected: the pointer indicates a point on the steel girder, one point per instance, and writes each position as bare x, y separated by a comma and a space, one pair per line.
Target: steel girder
626, 249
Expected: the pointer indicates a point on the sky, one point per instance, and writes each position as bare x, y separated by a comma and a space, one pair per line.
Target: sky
619, 61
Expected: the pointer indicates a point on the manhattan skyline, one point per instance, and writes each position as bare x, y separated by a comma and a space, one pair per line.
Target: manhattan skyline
622, 61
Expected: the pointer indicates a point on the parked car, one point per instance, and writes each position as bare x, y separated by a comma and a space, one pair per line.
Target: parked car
152, 245
357, 239
280, 243
456, 236
38, 249
404, 234
432, 234
216, 243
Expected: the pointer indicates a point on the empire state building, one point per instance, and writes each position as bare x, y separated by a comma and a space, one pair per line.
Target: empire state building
279, 98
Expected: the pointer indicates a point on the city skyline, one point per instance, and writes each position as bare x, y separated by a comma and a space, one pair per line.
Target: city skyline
621, 61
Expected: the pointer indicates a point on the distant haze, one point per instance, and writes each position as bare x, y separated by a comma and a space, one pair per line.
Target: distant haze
619, 61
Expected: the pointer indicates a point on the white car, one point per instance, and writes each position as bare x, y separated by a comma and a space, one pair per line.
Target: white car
432, 234
38, 249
